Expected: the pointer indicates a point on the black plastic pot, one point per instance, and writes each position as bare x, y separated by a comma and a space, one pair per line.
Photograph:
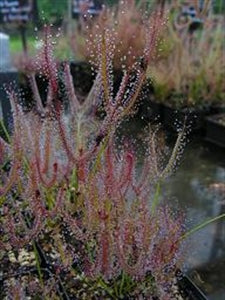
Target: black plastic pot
8, 79
215, 130
217, 109
188, 289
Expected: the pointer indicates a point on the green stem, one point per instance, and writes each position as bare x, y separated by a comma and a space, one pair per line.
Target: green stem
106, 288
38, 264
5, 130
156, 196
202, 225
122, 283
99, 155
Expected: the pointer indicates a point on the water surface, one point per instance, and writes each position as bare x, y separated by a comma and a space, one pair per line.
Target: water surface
194, 187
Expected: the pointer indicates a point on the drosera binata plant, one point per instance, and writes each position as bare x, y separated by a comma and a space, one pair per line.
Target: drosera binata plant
79, 218
126, 20
191, 70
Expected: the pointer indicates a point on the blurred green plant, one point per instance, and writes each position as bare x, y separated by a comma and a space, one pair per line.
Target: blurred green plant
16, 44
219, 6
52, 12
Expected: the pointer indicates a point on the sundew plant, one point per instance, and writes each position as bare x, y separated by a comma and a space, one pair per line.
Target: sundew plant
191, 69
79, 218
125, 21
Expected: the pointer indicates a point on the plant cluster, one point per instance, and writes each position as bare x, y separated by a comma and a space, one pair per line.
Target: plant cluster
79, 217
192, 68
127, 21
